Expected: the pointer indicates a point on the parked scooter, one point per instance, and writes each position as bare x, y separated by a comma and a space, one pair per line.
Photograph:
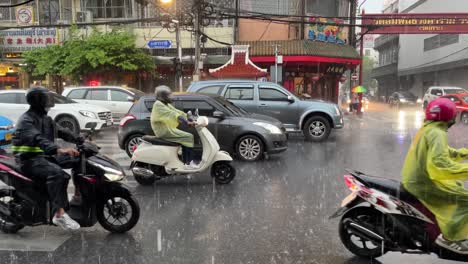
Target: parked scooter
380, 216
24, 202
154, 159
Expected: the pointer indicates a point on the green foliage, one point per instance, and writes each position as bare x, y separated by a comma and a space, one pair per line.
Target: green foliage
113, 51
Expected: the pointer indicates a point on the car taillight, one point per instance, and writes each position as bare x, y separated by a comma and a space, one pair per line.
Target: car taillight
125, 119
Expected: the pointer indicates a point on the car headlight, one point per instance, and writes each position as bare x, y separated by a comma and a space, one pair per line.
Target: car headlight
271, 128
419, 101
403, 100
88, 114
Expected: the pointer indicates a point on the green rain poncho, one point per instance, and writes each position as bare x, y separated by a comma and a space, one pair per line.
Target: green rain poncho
164, 122
433, 173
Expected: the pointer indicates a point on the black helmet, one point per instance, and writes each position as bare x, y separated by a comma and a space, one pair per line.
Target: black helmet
163, 94
40, 99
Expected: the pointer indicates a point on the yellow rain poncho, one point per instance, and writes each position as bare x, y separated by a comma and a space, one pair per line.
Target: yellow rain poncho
433, 173
164, 122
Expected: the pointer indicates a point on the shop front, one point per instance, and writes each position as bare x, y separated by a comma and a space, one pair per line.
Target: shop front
311, 69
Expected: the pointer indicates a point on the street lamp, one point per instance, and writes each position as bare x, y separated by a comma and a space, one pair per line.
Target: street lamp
166, 1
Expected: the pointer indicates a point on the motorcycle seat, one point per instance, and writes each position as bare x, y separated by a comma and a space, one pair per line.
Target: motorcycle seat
11, 164
390, 187
160, 142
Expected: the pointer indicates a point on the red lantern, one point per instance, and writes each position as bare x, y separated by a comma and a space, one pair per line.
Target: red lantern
315, 77
343, 78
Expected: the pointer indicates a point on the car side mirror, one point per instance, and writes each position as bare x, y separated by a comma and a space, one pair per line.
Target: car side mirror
291, 99
218, 114
131, 99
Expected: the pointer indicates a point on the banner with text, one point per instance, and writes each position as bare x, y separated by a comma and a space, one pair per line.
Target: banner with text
419, 23
20, 40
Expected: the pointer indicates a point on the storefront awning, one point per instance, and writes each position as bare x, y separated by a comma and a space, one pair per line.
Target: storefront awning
302, 51
239, 66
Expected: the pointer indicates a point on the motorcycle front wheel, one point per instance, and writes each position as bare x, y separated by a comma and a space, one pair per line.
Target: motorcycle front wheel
223, 172
118, 213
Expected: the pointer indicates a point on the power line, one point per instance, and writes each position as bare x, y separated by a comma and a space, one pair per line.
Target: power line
15, 5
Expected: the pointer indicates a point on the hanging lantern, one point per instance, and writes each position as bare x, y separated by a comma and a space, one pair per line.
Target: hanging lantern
343, 78
315, 77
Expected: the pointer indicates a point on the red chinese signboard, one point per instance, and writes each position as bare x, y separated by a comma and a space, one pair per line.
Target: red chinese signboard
419, 23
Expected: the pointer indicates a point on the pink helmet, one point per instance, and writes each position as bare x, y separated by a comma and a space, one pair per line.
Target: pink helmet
441, 109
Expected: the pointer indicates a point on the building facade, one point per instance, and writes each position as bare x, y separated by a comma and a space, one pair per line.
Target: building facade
433, 59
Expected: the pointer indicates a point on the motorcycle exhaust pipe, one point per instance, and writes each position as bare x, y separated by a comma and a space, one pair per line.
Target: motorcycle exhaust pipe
359, 230
143, 172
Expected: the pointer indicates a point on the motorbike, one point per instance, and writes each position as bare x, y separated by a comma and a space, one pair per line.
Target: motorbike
154, 158
104, 199
381, 216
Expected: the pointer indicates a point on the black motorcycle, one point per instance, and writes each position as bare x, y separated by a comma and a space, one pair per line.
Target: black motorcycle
24, 202
380, 216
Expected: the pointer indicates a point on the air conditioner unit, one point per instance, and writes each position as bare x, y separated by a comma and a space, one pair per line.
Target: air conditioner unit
84, 17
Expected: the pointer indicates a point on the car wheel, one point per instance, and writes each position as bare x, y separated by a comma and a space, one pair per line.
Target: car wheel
317, 129
69, 123
131, 143
249, 148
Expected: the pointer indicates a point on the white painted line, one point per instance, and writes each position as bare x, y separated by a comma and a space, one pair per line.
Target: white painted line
159, 241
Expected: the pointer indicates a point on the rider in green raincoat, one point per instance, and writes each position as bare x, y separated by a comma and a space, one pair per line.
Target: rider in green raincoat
433, 173
165, 119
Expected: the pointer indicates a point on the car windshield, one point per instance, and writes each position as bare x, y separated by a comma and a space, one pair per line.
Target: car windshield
465, 99
62, 99
231, 107
406, 95
137, 93
455, 91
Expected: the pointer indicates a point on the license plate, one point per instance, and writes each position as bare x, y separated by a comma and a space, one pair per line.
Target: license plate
8, 137
348, 199
109, 123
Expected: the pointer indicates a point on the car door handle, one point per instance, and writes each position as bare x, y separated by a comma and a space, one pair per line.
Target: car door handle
263, 105
148, 118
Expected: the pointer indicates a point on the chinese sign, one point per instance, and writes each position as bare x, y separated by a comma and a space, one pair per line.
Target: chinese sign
327, 30
336, 69
20, 40
25, 15
416, 23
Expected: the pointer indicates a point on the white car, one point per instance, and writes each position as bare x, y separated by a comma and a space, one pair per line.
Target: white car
435, 92
117, 99
66, 112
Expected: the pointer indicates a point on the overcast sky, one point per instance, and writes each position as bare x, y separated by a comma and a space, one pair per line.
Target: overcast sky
372, 6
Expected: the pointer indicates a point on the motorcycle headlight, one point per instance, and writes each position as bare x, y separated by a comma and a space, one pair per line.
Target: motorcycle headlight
110, 173
271, 128
113, 177
88, 114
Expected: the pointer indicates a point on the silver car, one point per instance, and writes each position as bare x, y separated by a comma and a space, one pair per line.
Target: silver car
314, 118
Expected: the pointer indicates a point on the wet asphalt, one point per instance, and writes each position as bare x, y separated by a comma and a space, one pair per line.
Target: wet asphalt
275, 211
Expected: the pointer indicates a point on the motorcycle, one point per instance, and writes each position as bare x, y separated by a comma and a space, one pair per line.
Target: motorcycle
154, 159
23, 202
381, 216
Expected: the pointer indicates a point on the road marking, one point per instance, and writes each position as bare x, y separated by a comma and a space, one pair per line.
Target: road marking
159, 241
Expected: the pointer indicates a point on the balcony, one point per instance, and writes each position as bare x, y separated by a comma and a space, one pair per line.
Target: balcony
384, 39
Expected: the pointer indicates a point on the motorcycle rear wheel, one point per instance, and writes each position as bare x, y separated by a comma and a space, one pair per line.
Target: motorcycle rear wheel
359, 246
117, 207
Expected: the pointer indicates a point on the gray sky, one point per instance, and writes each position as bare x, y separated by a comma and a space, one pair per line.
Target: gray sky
372, 6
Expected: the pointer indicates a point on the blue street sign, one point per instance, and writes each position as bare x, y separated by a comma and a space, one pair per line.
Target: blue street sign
159, 44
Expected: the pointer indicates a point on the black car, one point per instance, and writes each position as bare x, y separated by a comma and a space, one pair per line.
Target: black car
248, 136
402, 98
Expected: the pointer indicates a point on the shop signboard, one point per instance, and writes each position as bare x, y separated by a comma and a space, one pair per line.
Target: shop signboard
327, 30
336, 69
420, 23
21, 40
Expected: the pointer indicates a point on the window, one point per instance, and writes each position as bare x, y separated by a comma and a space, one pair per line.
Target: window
109, 8
436, 92
204, 108
211, 89
119, 96
271, 94
58, 99
455, 91
8, 98
149, 105
441, 40
367, 52
77, 94
97, 95
239, 93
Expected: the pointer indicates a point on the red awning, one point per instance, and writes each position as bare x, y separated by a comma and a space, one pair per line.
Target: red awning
305, 59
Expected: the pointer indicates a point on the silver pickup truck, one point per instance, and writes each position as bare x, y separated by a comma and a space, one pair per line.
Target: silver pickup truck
314, 118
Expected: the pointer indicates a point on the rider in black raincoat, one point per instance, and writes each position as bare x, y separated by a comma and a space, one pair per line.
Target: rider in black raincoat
36, 152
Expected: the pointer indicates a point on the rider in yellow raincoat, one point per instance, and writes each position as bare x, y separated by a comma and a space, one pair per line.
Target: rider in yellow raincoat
433, 173
165, 119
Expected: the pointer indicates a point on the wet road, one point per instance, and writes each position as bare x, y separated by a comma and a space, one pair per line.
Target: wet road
275, 211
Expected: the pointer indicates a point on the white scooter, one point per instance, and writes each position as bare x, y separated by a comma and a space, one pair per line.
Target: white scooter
154, 159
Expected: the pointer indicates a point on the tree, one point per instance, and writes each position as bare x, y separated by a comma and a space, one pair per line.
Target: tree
367, 68
112, 52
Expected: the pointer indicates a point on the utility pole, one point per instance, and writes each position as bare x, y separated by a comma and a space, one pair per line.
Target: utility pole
179, 55
276, 62
198, 18
352, 33
236, 23
303, 7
